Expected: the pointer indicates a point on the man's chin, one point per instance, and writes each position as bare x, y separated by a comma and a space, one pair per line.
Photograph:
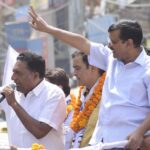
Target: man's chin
18, 88
80, 84
114, 55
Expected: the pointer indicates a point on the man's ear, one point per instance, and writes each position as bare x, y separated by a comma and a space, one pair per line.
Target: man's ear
130, 43
36, 75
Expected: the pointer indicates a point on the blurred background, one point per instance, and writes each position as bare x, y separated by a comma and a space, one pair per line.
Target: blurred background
90, 18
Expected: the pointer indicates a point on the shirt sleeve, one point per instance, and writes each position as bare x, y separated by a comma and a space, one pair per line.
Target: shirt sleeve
54, 110
147, 84
99, 55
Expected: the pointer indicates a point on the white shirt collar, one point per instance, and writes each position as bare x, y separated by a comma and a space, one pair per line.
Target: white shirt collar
141, 58
37, 90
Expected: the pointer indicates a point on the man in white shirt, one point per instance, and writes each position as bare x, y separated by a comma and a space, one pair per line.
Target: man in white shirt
36, 110
126, 94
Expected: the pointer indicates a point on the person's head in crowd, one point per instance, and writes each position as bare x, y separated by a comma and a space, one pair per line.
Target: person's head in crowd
85, 73
28, 71
125, 40
59, 77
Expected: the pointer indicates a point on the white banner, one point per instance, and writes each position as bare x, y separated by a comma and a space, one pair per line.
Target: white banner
9, 64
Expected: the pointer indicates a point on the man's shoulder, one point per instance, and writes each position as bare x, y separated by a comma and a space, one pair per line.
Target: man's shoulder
51, 88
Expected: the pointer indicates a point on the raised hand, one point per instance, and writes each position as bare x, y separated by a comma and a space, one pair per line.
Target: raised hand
36, 21
9, 94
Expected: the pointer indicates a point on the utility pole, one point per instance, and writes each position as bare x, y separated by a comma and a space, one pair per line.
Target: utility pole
76, 12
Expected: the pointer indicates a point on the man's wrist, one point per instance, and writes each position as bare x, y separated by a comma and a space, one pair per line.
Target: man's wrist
14, 105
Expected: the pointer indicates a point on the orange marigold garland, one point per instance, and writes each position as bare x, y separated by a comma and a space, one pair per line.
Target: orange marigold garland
80, 118
72, 103
36, 146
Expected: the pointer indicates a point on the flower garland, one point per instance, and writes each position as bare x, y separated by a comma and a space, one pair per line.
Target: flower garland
80, 118
72, 103
36, 146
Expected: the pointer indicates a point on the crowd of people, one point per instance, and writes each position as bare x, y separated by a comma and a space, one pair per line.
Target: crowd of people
111, 102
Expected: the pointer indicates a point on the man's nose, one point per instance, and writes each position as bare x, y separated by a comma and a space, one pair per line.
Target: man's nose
13, 77
110, 45
75, 73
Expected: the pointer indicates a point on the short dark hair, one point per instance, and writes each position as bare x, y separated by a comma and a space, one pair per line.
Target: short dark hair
35, 63
83, 56
129, 29
59, 77
85, 59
